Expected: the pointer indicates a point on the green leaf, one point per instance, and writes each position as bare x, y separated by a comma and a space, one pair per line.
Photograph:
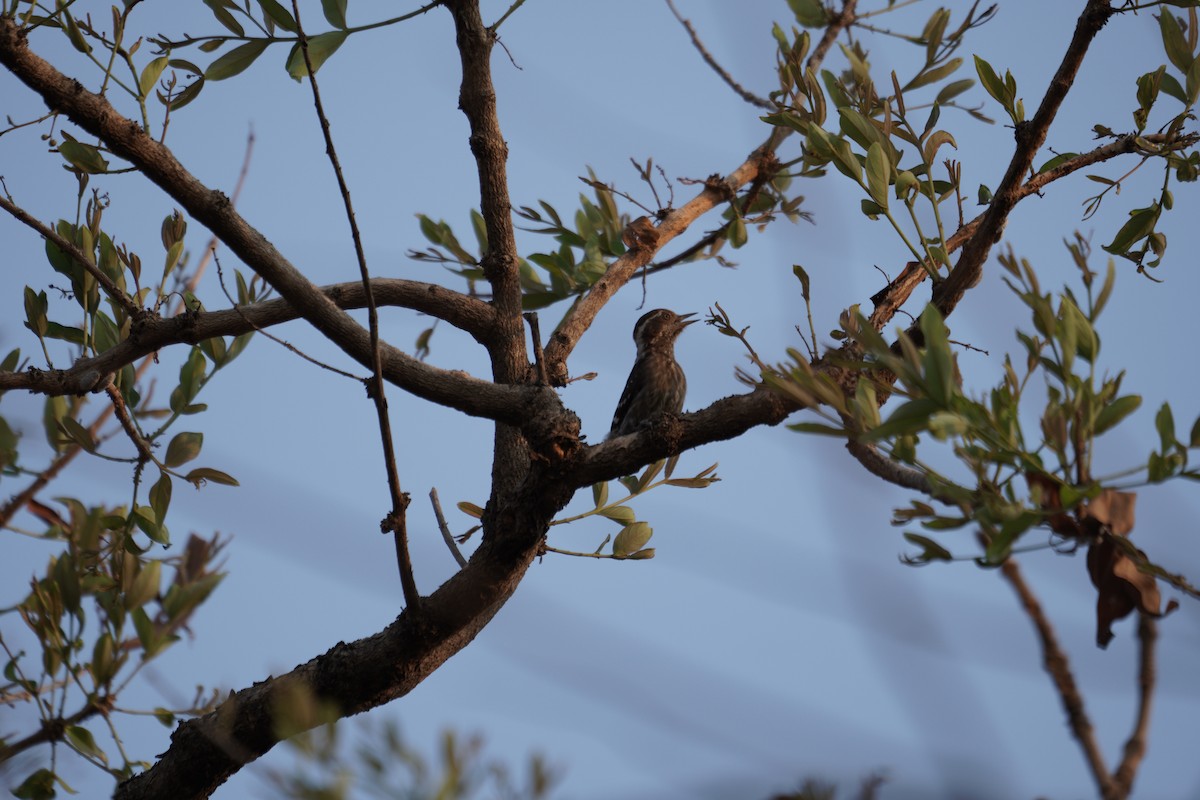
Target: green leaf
622, 515
150, 74
736, 231
236, 60
84, 157
818, 428
934, 75
38, 786
993, 83
145, 586
203, 474
600, 493
183, 448
809, 13
218, 7
802, 276
938, 362
151, 640
933, 143
143, 517
335, 12
633, 537
320, 48
82, 740
879, 174
54, 410
930, 550
160, 496
1164, 423
279, 15
1174, 42
75, 35
36, 305
77, 433
11, 360
911, 417
952, 90
1114, 412
1140, 225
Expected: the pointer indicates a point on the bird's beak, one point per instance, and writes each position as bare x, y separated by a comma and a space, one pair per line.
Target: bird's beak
684, 321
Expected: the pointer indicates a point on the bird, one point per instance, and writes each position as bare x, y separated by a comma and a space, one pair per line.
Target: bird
656, 384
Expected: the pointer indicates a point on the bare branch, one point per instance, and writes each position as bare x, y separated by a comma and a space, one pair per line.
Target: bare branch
1030, 137
741, 91
1055, 661
396, 521
445, 529
1135, 747
145, 454
832, 31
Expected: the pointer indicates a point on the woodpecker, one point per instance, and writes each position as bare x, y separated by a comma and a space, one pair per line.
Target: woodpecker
656, 384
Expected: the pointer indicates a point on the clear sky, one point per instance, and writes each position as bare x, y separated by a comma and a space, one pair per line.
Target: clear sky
775, 635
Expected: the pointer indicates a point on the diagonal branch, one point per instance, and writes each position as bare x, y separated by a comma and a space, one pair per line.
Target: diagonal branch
890, 299
78, 256
1055, 661
1135, 747
126, 139
1030, 137
651, 240
741, 91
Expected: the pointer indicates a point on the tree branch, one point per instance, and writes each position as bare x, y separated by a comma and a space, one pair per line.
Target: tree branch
742, 92
1135, 747
126, 139
1055, 661
396, 521
1030, 137
651, 240
506, 347
893, 296
78, 256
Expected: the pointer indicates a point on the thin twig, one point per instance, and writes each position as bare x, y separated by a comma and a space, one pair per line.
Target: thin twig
1135, 747
445, 529
78, 256
395, 521
281, 342
145, 453
833, 30
539, 356
742, 92
211, 247
1055, 662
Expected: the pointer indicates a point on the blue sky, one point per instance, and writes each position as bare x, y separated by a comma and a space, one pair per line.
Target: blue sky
776, 635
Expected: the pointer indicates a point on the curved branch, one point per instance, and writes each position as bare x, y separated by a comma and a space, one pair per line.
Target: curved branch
889, 299
451, 388
126, 139
741, 91
354, 677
